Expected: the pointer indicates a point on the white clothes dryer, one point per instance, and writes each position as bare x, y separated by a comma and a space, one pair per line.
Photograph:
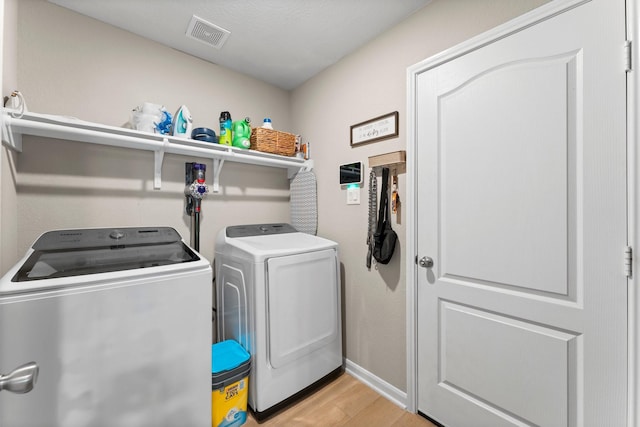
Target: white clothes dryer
106, 327
278, 295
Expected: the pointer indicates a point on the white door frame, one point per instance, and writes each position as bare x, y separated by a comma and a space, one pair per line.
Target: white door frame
633, 158
633, 206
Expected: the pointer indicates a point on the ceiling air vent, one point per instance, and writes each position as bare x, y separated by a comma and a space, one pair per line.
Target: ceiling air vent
207, 32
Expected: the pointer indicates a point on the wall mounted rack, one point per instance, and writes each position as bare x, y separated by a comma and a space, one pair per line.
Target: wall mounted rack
394, 160
388, 159
72, 129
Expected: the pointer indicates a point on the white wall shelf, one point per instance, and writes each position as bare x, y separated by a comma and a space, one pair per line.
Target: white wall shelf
72, 129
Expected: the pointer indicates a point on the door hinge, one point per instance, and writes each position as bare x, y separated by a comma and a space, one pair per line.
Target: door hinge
628, 261
627, 56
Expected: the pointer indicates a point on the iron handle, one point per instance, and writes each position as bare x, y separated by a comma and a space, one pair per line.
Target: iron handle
20, 380
426, 262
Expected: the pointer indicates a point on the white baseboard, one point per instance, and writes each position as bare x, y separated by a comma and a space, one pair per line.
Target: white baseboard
389, 391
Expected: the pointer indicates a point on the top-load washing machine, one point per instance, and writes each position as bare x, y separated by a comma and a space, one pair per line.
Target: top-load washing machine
278, 295
106, 327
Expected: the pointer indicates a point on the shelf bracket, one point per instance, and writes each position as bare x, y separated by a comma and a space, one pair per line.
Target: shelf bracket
292, 172
10, 139
158, 159
217, 168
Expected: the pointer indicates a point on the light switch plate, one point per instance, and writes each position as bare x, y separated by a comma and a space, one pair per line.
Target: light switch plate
353, 196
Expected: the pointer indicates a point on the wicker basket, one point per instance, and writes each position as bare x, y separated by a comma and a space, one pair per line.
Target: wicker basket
273, 141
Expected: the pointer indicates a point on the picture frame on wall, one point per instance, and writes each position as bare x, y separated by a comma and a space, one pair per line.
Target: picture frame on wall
376, 129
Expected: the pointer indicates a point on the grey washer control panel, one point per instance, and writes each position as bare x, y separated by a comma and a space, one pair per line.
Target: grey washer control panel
101, 237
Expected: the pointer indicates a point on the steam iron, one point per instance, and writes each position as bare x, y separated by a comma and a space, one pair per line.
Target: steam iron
182, 123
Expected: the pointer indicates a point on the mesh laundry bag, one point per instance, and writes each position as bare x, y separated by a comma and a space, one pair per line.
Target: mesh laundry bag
304, 203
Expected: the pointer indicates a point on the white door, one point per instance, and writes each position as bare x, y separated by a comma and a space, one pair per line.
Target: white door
521, 185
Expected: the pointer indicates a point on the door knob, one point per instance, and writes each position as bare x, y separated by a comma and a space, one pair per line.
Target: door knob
425, 262
20, 380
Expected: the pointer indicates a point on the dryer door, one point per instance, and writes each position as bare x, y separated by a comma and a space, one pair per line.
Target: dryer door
302, 304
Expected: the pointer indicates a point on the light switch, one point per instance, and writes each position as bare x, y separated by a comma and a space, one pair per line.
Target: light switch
353, 196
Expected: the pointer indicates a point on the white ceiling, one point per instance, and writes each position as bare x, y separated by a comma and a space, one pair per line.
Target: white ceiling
281, 42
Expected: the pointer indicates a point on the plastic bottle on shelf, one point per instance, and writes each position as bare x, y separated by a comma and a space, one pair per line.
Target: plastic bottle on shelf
242, 133
267, 123
225, 137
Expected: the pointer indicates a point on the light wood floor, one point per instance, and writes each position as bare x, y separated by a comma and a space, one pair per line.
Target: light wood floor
344, 402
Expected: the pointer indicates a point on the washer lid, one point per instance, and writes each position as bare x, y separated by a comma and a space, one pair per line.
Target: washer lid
67, 253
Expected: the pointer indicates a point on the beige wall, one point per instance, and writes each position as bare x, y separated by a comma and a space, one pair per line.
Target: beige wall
364, 85
8, 196
73, 65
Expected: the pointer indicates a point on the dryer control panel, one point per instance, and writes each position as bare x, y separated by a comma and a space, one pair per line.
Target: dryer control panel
259, 230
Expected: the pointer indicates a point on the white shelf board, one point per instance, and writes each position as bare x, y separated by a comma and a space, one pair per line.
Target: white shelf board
72, 129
